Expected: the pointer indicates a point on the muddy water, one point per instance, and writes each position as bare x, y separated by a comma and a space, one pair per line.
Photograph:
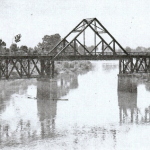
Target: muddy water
97, 110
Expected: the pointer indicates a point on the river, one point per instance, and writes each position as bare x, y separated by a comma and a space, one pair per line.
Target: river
92, 111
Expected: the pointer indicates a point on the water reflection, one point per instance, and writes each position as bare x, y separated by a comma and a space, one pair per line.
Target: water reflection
18, 123
108, 67
127, 101
101, 108
47, 105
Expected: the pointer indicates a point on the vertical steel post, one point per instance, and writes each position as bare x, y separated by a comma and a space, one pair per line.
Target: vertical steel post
53, 67
131, 60
6, 68
48, 67
136, 65
21, 67
123, 68
42, 67
95, 36
120, 66
146, 69
114, 52
74, 47
102, 48
84, 37
148, 64
28, 68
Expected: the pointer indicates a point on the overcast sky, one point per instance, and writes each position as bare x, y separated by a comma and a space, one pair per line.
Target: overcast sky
127, 20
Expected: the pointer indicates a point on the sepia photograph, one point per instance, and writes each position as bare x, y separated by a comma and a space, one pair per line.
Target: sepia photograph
74, 74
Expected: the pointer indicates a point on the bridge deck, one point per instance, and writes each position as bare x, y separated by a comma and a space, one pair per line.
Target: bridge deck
71, 56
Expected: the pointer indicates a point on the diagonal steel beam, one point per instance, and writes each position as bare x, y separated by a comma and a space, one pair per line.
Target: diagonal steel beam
73, 38
83, 47
35, 66
100, 37
66, 36
111, 36
73, 47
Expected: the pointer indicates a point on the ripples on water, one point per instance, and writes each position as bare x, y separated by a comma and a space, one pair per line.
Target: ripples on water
97, 110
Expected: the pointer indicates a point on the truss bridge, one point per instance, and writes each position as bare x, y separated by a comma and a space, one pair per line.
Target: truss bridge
73, 48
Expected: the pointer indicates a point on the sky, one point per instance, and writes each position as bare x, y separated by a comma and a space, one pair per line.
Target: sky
127, 20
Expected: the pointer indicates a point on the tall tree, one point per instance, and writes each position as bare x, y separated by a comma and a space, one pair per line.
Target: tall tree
49, 42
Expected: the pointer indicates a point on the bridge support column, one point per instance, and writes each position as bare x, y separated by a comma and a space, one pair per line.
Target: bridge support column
47, 68
102, 48
42, 67
74, 47
6, 68
28, 68
53, 67
21, 65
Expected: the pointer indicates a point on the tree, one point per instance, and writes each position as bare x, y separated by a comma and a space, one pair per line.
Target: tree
140, 49
2, 45
24, 48
17, 38
49, 42
128, 49
30, 50
13, 47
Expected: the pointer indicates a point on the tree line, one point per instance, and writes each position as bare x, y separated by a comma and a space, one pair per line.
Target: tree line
49, 42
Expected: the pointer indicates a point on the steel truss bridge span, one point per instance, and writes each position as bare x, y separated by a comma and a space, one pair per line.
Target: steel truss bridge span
105, 47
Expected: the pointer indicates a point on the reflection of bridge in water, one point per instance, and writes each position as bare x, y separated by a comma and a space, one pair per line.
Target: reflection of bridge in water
48, 92
127, 100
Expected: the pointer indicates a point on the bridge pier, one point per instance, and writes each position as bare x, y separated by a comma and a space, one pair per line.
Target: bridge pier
47, 68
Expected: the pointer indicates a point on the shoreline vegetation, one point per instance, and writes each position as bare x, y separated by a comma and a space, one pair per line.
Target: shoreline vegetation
47, 44
77, 67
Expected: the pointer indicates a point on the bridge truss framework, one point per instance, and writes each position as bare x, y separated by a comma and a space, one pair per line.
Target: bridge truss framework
42, 65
